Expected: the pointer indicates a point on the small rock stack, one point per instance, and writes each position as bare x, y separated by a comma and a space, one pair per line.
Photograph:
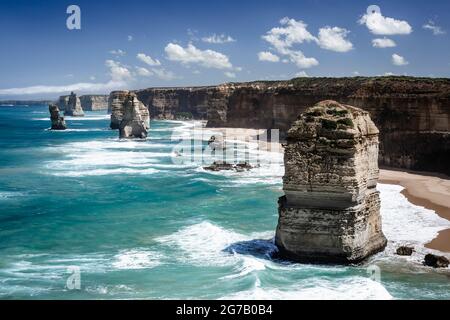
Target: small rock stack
135, 120
72, 105
58, 122
331, 209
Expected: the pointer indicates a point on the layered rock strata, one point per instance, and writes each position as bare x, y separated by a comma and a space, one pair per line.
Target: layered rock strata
331, 209
413, 114
94, 102
135, 120
58, 122
71, 105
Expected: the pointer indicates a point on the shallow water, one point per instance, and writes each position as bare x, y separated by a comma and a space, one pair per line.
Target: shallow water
137, 225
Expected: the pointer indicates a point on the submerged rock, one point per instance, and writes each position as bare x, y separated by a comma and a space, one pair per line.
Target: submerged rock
72, 105
405, 251
224, 166
331, 209
135, 122
435, 261
58, 122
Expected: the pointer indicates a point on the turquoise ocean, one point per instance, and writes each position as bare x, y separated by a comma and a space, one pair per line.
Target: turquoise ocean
129, 222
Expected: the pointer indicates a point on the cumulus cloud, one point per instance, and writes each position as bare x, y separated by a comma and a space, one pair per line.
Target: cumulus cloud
434, 28
299, 59
218, 39
193, 55
383, 43
130, 38
148, 60
381, 25
398, 60
334, 39
119, 53
268, 56
143, 72
301, 74
164, 74
120, 77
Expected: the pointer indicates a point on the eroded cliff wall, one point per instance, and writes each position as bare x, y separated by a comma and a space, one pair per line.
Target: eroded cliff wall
413, 114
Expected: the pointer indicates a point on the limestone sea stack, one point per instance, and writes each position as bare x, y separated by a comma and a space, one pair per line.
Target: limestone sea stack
58, 122
135, 121
73, 107
331, 209
115, 107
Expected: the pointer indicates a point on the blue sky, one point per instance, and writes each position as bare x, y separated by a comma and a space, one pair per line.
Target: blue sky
137, 44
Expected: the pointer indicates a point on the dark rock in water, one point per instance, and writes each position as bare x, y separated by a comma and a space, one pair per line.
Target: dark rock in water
224, 166
331, 209
216, 143
135, 121
405, 251
71, 105
58, 122
435, 261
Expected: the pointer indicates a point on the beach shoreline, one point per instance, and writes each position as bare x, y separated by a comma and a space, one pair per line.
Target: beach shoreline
425, 189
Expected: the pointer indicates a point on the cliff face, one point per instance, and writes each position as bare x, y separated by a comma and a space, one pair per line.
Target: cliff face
331, 208
176, 103
94, 102
413, 114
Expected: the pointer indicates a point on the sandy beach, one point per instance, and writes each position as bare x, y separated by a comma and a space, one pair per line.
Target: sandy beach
422, 189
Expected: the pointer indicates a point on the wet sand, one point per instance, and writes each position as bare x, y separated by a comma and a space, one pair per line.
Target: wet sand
431, 192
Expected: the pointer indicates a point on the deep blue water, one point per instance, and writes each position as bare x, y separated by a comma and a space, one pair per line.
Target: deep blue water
137, 225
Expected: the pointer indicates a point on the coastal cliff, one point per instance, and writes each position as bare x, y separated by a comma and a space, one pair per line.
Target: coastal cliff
412, 114
331, 208
94, 102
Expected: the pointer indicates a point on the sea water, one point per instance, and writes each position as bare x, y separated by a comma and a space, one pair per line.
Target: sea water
126, 221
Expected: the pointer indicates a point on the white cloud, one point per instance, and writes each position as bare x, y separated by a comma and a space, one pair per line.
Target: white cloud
193, 55
388, 74
334, 39
120, 77
268, 56
119, 53
148, 60
92, 78
130, 38
381, 25
301, 74
398, 60
196, 72
230, 74
218, 39
143, 72
163, 74
284, 38
383, 43
355, 73
299, 59
434, 28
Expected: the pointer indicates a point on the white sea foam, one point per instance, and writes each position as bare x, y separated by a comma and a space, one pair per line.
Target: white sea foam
5, 195
351, 288
137, 259
85, 118
105, 172
77, 130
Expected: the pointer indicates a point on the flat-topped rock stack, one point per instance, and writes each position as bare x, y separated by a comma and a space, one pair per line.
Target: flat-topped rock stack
71, 105
58, 122
331, 209
132, 116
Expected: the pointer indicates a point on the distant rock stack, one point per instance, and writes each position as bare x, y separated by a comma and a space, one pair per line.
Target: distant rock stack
135, 122
73, 107
58, 122
331, 209
115, 107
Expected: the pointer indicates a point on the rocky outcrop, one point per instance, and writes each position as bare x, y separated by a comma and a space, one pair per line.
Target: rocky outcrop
71, 105
412, 114
115, 107
405, 251
94, 102
135, 120
58, 122
435, 261
225, 166
331, 208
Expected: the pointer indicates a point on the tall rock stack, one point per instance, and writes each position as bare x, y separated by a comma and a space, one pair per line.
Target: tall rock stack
58, 122
115, 107
136, 121
73, 106
331, 209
